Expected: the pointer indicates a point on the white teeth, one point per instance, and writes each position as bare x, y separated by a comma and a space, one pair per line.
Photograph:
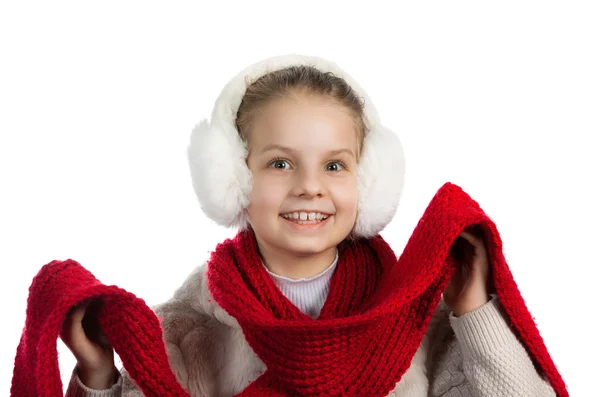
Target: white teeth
303, 216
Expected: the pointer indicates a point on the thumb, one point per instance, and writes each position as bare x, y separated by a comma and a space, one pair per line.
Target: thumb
72, 333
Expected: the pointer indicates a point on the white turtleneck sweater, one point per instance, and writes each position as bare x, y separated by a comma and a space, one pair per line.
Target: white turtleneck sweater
307, 294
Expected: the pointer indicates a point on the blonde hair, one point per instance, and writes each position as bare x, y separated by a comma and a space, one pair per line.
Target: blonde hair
300, 79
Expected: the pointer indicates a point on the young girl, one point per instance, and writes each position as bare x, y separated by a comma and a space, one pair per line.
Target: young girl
295, 157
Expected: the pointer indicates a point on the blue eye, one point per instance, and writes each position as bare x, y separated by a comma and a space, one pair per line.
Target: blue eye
340, 166
282, 164
279, 164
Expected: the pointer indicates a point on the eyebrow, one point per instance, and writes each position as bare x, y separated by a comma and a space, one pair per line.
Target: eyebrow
290, 150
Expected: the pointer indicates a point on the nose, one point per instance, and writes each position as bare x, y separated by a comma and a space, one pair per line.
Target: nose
309, 183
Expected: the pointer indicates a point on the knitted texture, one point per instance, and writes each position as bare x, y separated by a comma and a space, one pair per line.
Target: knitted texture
373, 320
377, 310
129, 324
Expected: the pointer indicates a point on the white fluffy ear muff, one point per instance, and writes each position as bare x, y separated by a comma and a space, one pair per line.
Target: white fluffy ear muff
223, 182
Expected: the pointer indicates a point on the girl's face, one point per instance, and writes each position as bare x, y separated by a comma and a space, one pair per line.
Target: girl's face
303, 157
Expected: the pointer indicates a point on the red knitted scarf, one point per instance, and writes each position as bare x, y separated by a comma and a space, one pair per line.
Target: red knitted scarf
371, 325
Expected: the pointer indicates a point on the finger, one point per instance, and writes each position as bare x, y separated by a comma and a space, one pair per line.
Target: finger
74, 317
477, 243
74, 335
473, 254
465, 248
462, 252
480, 251
470, 237
91, 327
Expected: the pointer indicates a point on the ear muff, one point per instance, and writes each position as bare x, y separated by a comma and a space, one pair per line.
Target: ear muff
222, 181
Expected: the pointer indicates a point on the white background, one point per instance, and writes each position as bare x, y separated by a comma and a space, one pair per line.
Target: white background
97, 104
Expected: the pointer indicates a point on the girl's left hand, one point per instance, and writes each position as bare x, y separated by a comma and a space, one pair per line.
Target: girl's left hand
470, 285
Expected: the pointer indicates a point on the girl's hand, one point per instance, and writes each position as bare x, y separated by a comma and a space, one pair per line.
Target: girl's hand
470, 285
95, 356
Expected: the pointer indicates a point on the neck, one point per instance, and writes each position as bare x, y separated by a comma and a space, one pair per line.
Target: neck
296, 266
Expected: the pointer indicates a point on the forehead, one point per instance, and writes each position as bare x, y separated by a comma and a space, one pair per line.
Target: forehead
311, 122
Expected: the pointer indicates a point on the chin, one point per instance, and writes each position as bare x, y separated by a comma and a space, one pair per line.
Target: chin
309, 247
310, 244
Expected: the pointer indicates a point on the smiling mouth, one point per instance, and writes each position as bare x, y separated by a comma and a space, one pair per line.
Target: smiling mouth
305, 218
307, 222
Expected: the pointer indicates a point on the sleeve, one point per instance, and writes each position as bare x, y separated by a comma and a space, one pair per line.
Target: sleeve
123, 387
178, 322
77, 389
494, 361
186, 328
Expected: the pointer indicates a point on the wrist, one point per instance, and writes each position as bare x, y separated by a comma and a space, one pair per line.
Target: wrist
97, 379
472, 305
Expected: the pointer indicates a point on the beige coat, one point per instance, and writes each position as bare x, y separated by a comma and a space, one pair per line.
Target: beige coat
473, 355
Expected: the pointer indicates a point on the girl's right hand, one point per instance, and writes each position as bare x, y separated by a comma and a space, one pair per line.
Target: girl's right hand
84, 337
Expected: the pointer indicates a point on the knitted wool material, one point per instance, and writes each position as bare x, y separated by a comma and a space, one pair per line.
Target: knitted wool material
129, 324
376, 313
373, 320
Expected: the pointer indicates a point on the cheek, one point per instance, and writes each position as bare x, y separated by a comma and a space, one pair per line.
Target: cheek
345, 196
266, 194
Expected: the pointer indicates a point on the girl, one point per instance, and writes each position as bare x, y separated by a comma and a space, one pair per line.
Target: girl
295, 157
